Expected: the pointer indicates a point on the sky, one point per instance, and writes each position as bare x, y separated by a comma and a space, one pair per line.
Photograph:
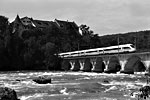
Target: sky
102, 16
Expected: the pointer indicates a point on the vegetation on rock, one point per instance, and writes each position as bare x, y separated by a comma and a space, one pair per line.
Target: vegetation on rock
7, 94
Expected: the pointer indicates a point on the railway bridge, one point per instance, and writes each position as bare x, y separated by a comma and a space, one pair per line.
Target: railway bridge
109, 63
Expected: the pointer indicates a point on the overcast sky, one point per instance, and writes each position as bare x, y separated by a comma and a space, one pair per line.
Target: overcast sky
103, 16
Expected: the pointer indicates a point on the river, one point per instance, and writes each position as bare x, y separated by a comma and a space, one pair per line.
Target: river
73, 85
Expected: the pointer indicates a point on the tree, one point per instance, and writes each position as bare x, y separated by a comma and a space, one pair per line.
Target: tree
50, 55
3, 25
4, 31
87, 36
33, 55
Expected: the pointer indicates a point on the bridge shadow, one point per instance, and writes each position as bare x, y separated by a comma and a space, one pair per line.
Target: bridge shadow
65, 65
87, 66
134, 64
76, 66
114, 65
99, 66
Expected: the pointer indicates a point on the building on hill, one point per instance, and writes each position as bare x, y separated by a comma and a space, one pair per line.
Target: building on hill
26, 23
66, 24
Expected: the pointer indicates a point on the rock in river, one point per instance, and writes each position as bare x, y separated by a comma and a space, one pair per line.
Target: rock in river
7, 94
42, 80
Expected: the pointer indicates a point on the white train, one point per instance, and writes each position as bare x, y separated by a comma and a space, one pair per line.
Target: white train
98, 51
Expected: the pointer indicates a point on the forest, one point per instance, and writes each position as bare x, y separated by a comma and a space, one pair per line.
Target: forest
38, 49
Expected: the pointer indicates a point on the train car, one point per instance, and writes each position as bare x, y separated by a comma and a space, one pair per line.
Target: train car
97, 51
128, 48
67, 54
111, 49
120, 49
74, 53
94, 51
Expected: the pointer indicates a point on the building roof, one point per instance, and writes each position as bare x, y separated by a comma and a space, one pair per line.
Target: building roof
66, 23
26, 18
17, 19
44, 24
40, 23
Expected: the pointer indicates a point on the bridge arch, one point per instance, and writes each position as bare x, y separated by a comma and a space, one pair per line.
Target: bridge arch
114, 65
75, 65
99, 66
87, 65
65, 65
134, 64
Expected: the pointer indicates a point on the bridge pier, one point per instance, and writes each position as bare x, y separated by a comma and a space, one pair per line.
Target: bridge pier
75, 66
82, 63
72, 63
106, 65
97, 64
93, 62
147, 64
122, 64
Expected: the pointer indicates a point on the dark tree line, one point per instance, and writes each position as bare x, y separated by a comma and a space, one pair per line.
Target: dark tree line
141, 40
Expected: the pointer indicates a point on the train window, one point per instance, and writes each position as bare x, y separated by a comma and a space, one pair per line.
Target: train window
90, 51
126, 47
112, 49
73, 53
132, 46
100, 50
107, 49
82, 53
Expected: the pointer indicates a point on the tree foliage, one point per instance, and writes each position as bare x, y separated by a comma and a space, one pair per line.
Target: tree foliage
89, 39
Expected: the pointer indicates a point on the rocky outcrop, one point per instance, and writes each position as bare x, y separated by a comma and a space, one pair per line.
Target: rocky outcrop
42, 80
7, 94
106, 81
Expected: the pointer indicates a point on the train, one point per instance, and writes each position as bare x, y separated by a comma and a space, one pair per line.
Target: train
99, 51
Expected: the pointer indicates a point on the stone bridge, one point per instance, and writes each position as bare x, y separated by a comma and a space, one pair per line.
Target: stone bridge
109, 63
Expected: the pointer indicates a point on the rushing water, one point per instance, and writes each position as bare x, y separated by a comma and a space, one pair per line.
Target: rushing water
73, 85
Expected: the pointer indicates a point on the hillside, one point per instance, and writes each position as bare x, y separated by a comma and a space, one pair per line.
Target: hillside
140, 39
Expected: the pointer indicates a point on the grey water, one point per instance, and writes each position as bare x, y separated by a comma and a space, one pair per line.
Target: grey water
73, 85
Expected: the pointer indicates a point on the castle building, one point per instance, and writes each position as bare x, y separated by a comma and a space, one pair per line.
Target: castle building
26, 23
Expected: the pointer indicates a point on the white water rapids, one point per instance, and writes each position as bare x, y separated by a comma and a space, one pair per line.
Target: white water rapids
73, 85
